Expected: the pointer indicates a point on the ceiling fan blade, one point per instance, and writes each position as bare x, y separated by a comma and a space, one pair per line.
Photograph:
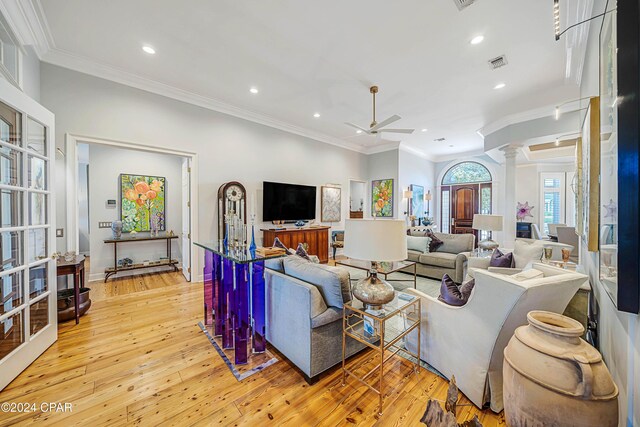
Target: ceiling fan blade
357, 127
397, 130
386, 122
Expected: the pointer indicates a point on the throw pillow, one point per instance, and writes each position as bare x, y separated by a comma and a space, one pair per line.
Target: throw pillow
332, 282
452, 295
526, 252
498, 259
302, 253
277, 243
420, 244
435, 243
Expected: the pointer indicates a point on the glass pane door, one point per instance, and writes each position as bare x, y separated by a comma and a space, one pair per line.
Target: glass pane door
28, 313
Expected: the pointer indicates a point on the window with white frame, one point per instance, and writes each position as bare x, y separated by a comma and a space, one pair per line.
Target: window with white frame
9, 54
553, 199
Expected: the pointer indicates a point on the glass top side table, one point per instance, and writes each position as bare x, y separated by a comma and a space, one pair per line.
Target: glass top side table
382, 330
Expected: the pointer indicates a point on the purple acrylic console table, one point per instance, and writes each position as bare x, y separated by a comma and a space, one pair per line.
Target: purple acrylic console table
234, 300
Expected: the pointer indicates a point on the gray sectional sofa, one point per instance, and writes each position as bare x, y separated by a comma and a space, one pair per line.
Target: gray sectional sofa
450, 258
304, 303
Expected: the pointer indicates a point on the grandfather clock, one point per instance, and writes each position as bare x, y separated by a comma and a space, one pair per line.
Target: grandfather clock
232, 214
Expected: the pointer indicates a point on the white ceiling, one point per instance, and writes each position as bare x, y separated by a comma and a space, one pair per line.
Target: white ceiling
321, 56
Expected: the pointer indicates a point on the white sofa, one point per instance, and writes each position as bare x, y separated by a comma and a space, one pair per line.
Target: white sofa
468, 341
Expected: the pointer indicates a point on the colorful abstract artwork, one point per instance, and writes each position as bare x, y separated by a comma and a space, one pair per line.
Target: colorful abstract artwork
142, 203
417, 200
382, 198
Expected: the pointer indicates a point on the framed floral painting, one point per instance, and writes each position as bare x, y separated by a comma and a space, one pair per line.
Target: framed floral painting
382, 198
142, 202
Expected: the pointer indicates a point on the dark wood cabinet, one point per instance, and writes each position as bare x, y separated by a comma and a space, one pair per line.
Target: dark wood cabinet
317, 238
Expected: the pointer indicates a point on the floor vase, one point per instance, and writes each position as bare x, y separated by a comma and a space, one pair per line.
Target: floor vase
552, 377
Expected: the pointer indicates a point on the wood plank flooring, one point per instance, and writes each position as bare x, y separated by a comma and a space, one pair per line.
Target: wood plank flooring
139, 358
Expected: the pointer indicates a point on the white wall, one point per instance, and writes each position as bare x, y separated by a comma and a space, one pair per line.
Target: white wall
420, 171
83, 209
384, 166
106, 165
528, 188
31, 73
228, 148
619, 332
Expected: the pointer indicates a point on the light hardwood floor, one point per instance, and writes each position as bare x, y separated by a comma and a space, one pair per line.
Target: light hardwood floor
139, 358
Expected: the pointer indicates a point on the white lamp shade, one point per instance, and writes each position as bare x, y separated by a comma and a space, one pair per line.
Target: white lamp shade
375, 239
407, 194
487, 222
427, 196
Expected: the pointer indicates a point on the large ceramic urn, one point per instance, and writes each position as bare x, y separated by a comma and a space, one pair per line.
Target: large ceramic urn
552, 377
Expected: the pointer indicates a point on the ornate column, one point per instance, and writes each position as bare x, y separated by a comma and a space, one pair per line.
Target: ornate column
510, 152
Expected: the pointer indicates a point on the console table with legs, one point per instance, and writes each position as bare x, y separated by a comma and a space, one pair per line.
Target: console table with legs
168, 262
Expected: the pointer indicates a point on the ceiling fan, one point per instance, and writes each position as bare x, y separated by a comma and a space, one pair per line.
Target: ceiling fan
376, 128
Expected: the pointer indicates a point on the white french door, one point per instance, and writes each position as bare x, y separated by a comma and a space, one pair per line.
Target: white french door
28, 297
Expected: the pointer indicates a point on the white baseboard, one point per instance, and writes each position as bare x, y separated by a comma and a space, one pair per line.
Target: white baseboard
94, 277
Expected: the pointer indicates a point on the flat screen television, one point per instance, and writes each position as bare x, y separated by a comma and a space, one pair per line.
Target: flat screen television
288, 202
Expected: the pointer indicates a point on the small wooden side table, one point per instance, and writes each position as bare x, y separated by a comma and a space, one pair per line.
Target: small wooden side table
76, 268
399, 317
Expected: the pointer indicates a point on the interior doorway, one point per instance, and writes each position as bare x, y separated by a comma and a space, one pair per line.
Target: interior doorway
99, 176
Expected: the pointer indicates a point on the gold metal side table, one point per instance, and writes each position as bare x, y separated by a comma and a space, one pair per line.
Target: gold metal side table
388, 329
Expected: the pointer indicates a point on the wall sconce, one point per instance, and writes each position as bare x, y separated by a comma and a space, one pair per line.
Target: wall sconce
407, 194
427, 198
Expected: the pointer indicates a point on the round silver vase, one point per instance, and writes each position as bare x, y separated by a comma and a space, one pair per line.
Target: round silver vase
373, 291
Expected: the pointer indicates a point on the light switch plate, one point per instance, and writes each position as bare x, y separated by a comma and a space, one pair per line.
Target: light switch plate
104, 224
59, 232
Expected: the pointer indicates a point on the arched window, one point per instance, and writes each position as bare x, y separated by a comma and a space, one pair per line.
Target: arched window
466, 172
465, 191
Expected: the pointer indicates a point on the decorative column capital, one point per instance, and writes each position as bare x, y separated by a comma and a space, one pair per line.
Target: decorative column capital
510, 151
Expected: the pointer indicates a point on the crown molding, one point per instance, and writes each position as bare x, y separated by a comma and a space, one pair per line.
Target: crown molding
81, 64
416, 152
29, 24
455, 156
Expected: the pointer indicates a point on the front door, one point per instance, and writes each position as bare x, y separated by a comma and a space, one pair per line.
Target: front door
28, 312
464, 204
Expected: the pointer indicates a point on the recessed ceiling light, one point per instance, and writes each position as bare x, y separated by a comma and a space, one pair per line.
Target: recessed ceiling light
148, 49
477, 40
358, 131
499, 86
316, 115
253, 90
424, 130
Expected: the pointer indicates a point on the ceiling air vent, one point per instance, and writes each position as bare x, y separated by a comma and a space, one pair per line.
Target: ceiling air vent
461, 4
498, 62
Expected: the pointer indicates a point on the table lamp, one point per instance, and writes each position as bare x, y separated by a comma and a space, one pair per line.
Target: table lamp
487, 223
375, 240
